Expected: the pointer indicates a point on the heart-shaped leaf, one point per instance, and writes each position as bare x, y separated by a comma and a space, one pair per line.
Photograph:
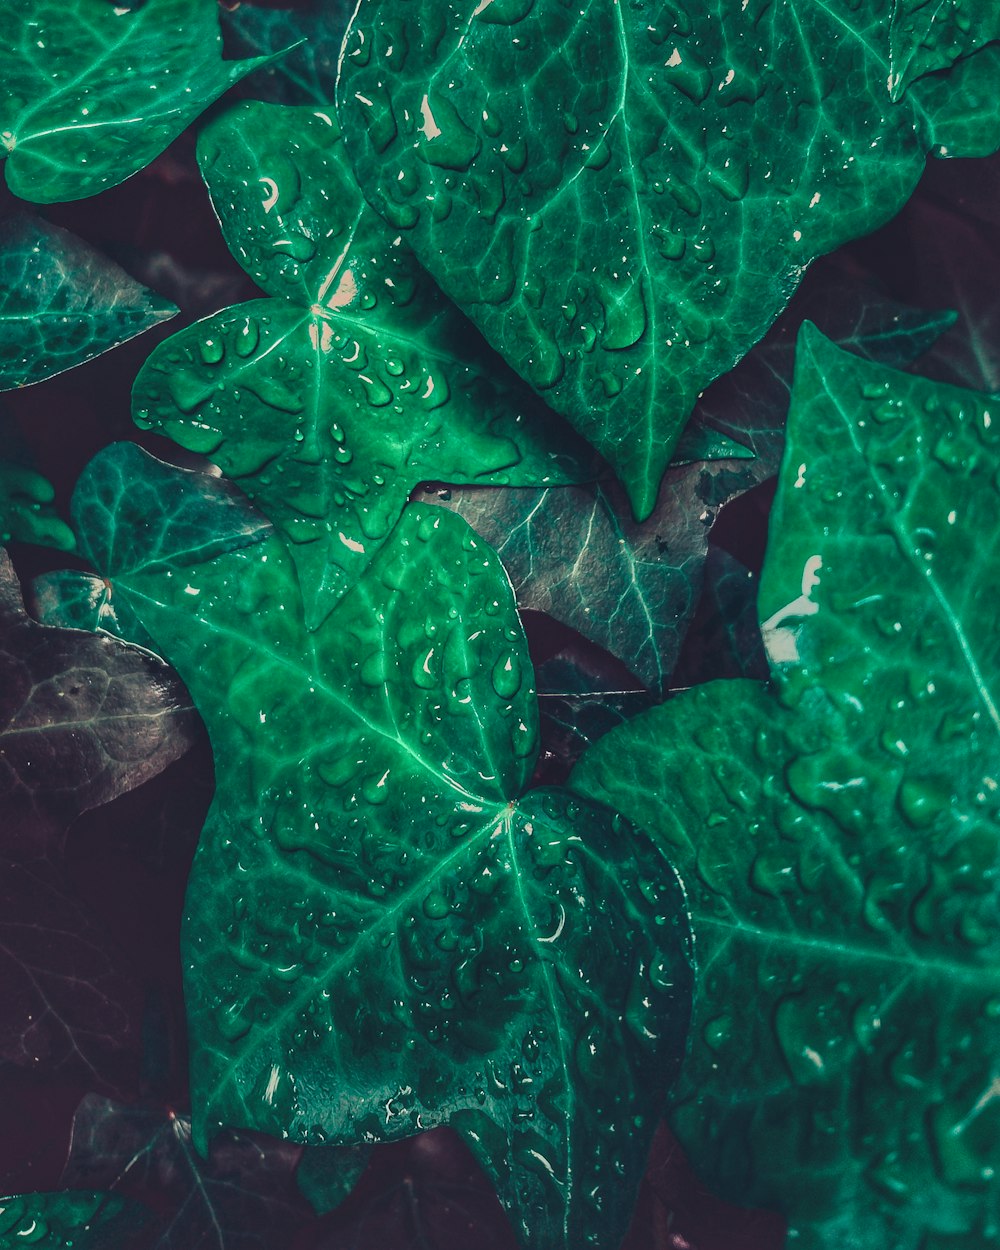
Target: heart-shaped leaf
837, 833
383, 932
624, 198
62, 303
92, 91
331, 400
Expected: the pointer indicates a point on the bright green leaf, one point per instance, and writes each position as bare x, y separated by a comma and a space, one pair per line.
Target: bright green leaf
837, 833
90, 92
624, 196
383, 932
62, 303
331, 400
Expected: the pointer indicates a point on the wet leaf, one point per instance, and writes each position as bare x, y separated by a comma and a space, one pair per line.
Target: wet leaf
331, 400
837, 832
93, 91
624, 202
383, 932
62, 302
68, 1221
242, 1197
577, 554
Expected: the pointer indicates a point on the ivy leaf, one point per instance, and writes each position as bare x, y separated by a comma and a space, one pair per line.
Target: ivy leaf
62, 302
837, 833
576, 553
383, 932
83, 718
244, 1195
314, 32
68, 1220
625, 203
93, 91
329, 401
925, 37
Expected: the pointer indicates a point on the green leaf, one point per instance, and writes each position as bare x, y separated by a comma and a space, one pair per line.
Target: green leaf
27, 514
327, 1174
68, 1220
383, 932
837, 833
314, 32
624, 201
91, 92
929, 35
62, 303
331, 400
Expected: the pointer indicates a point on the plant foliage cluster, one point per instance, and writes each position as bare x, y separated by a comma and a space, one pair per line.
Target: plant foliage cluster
418, 826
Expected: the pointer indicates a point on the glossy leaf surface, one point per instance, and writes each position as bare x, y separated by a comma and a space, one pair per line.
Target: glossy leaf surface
331, 400
837, 833
383, 932
91, 91
62, 303
624, 197
67, 1220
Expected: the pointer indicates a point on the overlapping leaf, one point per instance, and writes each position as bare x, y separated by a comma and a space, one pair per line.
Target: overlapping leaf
329, 401
62, 303
313, 31
632, 588
838, 833
383, 932
624, 196
92, 91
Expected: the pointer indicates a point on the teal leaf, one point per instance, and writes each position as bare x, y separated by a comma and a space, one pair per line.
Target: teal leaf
330, 400
623, 199
68, 1220
384, 931
327, 1174
930, 35
62, 303
837, 832
27, 513
92, 92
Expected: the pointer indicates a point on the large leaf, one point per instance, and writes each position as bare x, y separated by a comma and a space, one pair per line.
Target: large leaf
62, 303
331, 400
837, 833
92, 91
383, 932
243, 1196
624, 196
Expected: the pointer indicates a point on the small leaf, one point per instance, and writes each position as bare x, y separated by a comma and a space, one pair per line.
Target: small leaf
331, 400
327, 1174
62, 303
69, 1220
837, 833
384, 933
625, 203
314, 32
27, 514
244, 1195
93, 91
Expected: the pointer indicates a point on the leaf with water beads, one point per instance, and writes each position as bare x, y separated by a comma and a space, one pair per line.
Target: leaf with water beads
837, 833
329, 401
624, 196
384, 932
70, 1220
93, 91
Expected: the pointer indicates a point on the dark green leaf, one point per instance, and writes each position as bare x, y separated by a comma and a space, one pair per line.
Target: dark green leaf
68, 1220
837, 833
383, 932
62, 303
91, 92
331, 400
308, 73
27, 514
327, 1174
624, 197
243, 1197
930, 35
